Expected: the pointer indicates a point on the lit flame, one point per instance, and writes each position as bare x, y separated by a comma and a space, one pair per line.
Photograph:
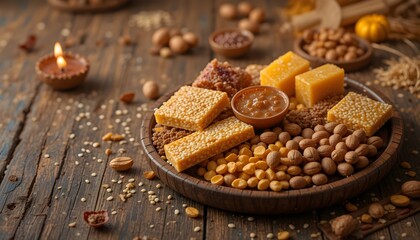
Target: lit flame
61, 62
58, 51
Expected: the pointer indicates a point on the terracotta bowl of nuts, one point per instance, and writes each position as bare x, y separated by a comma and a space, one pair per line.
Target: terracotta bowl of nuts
231, 43
335, 46
260, 106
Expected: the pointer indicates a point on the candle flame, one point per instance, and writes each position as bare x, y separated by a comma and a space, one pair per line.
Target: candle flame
58, 51
61, 62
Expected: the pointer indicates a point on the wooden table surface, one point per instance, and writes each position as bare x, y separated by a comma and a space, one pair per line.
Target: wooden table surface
37, 126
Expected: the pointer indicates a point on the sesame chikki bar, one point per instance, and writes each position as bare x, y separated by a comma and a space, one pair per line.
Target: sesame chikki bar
199, 146
360, 112
192, 108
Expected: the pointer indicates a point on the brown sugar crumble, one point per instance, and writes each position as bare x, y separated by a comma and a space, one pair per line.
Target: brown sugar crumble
164, 134
310, 117
222, 76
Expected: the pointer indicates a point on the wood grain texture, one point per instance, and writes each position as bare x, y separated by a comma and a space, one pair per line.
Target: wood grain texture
36, 121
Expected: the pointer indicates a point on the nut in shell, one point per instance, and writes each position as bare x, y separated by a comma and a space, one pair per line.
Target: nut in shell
411, 189
96, 219
121, 163
376, 210
344, 225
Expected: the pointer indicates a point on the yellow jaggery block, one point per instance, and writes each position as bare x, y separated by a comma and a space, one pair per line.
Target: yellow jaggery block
360, 112
319, 83
199, 146
281, 73
192, 108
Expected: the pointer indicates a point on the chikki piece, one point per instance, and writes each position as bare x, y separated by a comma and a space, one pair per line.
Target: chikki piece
282, 71
360, 112
319, 83
192, 108
199, 146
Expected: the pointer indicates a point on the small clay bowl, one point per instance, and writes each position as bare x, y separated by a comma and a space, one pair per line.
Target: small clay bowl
77, 70
348, 66
261, 122
232, 51
104, 218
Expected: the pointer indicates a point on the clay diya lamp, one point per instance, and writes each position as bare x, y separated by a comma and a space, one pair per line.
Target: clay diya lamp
96, 219
261, 106
62, 70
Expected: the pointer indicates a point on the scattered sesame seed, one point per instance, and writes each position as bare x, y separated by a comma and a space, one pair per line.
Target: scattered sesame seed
170, 197
231, 225
305, 226
270, 235
252, 235
292, 227
158, 186
109, 190
251, 219
158, 209
152, 226
110, 198
409, 224
93, 174
197, 229
131, 180
176, 212
184, 205
46, 155
72, 225
56, 164
114, 212
403, 234
83, 199
87, 181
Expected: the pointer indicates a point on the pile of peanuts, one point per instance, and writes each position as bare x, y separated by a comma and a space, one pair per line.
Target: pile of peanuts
251, 16
332, 44
280, 159
167, 42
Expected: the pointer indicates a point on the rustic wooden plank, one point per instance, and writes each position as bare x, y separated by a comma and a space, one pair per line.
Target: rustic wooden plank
73, 178
116, 70
165, 222
25, 159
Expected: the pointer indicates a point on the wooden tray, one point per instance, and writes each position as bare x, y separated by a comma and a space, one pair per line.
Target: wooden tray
349, 66
108, 6
190, 185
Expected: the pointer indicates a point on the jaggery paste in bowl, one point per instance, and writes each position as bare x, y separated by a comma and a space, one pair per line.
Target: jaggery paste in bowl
260, 106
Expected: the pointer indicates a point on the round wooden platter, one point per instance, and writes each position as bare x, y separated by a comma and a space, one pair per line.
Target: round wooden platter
102, 7
250, 201
349, 66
